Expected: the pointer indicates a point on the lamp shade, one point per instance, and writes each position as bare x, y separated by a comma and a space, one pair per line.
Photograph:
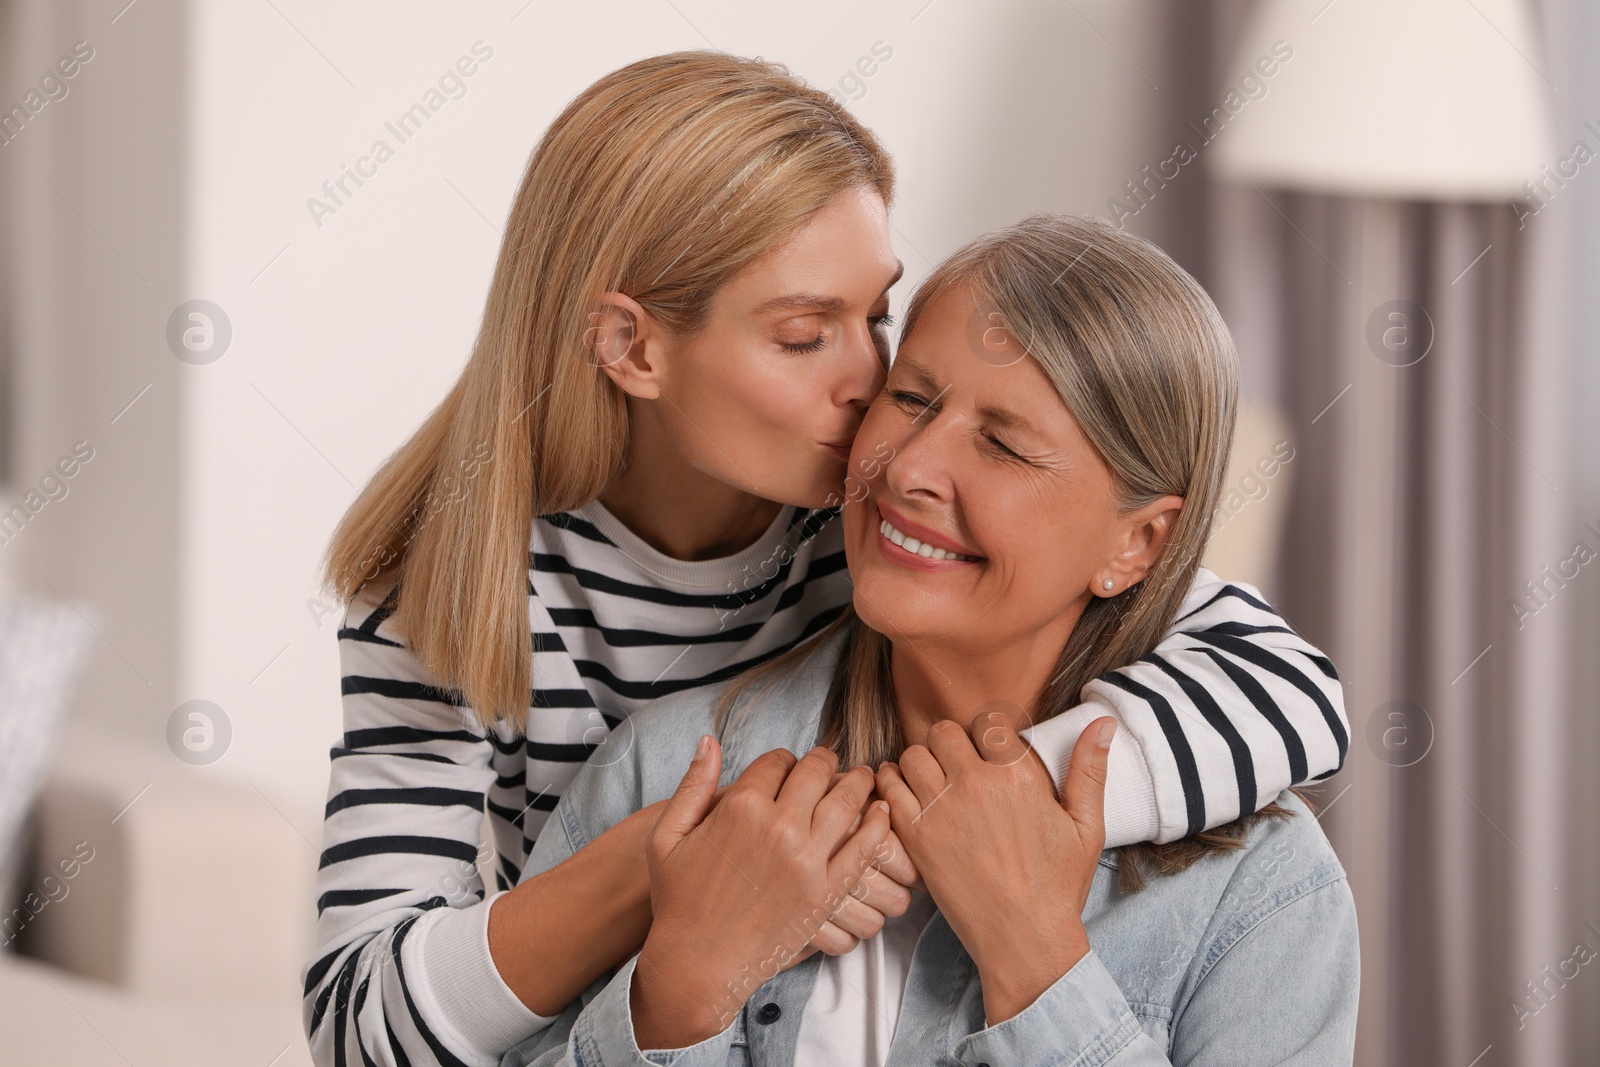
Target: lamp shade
1428, 99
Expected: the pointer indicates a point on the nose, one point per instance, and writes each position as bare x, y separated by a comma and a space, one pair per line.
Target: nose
923, 464
864, 367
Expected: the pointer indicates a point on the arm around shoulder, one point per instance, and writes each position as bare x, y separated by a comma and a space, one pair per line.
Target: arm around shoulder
402, 971
1231, 708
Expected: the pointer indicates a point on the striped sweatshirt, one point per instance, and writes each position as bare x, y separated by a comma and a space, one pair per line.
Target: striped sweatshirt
1230, 708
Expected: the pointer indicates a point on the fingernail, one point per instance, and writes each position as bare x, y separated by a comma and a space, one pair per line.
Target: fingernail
702, 748
1107, 728
883, 806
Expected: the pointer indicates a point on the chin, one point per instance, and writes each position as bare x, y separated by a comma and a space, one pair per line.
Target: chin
823, 495
870, 612
818, 490
893, 610
826, 490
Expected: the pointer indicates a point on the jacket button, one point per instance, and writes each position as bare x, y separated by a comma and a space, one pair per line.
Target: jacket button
768, 1014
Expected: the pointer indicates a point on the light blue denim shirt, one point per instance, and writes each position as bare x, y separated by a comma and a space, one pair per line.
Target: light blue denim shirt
1248, 957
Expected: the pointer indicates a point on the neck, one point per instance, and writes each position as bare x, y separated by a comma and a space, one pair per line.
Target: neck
936, 680
675, 508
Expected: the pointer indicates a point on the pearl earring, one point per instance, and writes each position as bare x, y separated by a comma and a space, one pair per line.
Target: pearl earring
1107, 583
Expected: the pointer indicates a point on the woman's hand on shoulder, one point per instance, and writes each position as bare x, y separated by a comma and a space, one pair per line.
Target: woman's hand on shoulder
739, 886
883, 891
1008, 863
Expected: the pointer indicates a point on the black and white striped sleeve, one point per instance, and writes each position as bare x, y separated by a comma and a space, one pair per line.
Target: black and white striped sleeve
1230, 709
401, 972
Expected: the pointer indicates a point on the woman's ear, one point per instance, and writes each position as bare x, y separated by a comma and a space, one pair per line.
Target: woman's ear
1143, 535
623, 340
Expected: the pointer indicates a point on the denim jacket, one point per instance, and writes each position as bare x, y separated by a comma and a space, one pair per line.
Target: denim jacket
1248, 957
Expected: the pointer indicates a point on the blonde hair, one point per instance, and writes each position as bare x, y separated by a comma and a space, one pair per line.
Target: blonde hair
1143, 361
662, 180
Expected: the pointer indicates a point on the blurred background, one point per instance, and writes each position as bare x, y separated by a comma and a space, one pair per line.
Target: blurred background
211, 334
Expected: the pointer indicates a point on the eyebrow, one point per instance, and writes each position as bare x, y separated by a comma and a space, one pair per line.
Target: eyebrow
1002, 416
816, 302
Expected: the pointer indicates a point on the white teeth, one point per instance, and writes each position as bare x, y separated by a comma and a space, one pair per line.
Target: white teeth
911, 544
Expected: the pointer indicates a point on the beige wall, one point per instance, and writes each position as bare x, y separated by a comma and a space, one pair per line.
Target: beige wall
96, 212
192, 142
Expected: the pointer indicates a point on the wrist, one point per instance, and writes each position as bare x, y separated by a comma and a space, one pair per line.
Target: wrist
1013, 980
630, 838
673, 1001
559, 930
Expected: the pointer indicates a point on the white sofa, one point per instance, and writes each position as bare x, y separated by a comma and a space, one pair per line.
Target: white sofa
179, 942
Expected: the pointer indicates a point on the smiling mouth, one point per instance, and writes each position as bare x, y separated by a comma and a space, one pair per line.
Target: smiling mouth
839, 448
921, 548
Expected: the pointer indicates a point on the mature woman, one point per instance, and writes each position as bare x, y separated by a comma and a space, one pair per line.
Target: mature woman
1080, 438
630, 492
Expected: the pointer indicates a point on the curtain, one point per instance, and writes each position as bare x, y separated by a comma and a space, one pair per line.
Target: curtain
1425, 552
1434, 552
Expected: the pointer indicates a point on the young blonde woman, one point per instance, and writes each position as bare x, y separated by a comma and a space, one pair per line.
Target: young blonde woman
633, 490
1100, 455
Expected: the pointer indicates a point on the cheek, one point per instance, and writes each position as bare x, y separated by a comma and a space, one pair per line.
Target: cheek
757, 423
1041, 542
786, 397
883, 433
734, 407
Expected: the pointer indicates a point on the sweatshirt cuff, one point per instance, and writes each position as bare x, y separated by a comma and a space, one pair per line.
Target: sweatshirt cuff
458, 989
1131, 814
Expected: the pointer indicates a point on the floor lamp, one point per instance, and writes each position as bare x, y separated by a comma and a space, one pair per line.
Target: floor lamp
1382, 102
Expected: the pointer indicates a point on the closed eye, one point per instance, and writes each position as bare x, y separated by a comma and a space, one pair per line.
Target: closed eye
807, 346
908, 400
1001, 449
916, 402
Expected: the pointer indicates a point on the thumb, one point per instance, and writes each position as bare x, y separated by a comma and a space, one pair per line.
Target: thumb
693, 798
1084, 792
